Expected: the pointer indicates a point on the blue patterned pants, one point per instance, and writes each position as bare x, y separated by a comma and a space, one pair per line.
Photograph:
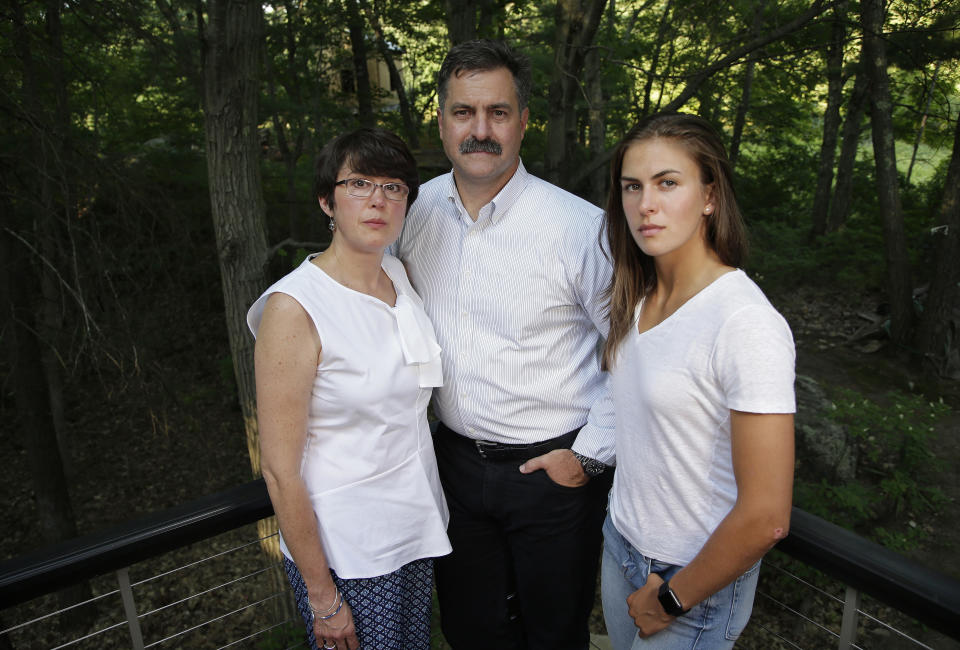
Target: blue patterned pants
390, 612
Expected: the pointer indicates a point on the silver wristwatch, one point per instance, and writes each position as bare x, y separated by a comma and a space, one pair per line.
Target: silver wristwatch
591, 466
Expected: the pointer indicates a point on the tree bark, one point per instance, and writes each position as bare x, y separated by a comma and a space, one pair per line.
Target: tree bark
54, 510
359, 48
231, 55
577, 24
409, 127
742, 109
291, 147
741, 119
899, 288
850, 143
461, 20
831, 124
938, 334
231, 76
923, 121
662, 29
597, 124
29, 291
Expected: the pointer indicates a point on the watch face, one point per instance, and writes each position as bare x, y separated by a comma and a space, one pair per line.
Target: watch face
671, 604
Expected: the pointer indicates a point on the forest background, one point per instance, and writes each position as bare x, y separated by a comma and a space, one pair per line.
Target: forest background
156, 171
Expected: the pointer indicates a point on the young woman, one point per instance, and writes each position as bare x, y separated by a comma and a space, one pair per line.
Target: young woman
702, 372
346, 360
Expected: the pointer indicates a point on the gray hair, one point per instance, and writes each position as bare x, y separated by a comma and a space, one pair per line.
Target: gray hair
485, 55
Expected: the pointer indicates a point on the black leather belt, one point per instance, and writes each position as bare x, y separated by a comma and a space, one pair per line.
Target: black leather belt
499, 451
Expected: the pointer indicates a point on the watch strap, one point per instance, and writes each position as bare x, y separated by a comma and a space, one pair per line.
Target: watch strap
591, 466
669, 601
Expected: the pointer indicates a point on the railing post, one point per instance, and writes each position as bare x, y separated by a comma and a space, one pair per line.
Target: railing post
848, 628
130, 609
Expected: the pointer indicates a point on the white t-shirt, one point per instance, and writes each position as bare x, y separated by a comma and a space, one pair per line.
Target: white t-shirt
673, 388
368, 462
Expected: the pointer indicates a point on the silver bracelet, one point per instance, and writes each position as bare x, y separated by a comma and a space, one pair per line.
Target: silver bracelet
337, 611
335, 607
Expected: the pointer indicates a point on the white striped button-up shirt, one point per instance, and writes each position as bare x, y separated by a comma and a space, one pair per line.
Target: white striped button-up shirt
516, 299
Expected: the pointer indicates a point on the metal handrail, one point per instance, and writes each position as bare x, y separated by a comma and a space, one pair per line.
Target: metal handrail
928, 596
82, 558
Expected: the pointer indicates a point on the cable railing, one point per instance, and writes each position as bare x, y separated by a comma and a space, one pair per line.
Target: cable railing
163, 604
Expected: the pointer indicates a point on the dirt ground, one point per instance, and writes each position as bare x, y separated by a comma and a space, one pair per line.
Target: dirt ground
170, 432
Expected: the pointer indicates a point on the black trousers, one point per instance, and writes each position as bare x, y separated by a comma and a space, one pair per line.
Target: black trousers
523, 570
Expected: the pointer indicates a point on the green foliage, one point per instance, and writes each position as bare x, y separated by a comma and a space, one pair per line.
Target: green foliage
289, 635
896, 469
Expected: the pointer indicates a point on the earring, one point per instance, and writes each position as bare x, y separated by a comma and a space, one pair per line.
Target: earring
333, 225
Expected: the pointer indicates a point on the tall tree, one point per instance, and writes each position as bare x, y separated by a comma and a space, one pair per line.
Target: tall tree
741, 119
361, 77
831, 121
899, 286
938, 333
290, 127
32, 288
577, 22
410, 129
849, 144
230, 58
461, 20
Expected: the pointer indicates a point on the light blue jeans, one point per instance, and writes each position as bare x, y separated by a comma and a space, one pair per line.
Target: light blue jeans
714, 623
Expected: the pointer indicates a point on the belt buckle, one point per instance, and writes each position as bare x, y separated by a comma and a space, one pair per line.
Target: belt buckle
480, 444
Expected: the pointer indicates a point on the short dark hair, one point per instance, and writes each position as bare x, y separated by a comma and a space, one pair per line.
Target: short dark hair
483, 55
372, 151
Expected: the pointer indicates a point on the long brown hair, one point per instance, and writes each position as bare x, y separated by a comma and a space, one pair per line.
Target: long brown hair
634, 273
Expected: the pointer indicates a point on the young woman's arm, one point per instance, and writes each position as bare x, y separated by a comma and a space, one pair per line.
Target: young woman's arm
762, 448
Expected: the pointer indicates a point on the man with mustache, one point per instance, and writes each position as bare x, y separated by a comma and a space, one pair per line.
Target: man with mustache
512, 275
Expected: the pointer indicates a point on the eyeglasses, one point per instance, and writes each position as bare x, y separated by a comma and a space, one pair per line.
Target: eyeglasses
362, 188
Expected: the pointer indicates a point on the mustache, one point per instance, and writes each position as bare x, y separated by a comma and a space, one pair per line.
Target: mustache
472, 145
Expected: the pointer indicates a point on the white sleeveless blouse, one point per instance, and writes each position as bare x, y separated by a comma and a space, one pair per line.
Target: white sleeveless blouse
368, 461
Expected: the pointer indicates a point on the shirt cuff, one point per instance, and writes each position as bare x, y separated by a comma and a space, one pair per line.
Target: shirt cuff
597, 443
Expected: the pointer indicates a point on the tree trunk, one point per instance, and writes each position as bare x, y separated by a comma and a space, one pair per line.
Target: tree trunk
409, 128
31, 297
597, 123
28, 381
298, 131
923, 121
938, 335
461, 20
662, 29
741, 119
577, 24
231, 71
54, 511
899, 289
231, 55
843, 191
359, 48
831, 124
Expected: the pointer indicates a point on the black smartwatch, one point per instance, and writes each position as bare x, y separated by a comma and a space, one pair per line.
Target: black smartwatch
591, 466
669, 601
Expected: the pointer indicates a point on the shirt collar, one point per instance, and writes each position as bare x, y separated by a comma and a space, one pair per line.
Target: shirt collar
504, 199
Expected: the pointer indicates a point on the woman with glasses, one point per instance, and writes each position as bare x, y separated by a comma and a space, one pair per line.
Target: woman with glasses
346, 360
